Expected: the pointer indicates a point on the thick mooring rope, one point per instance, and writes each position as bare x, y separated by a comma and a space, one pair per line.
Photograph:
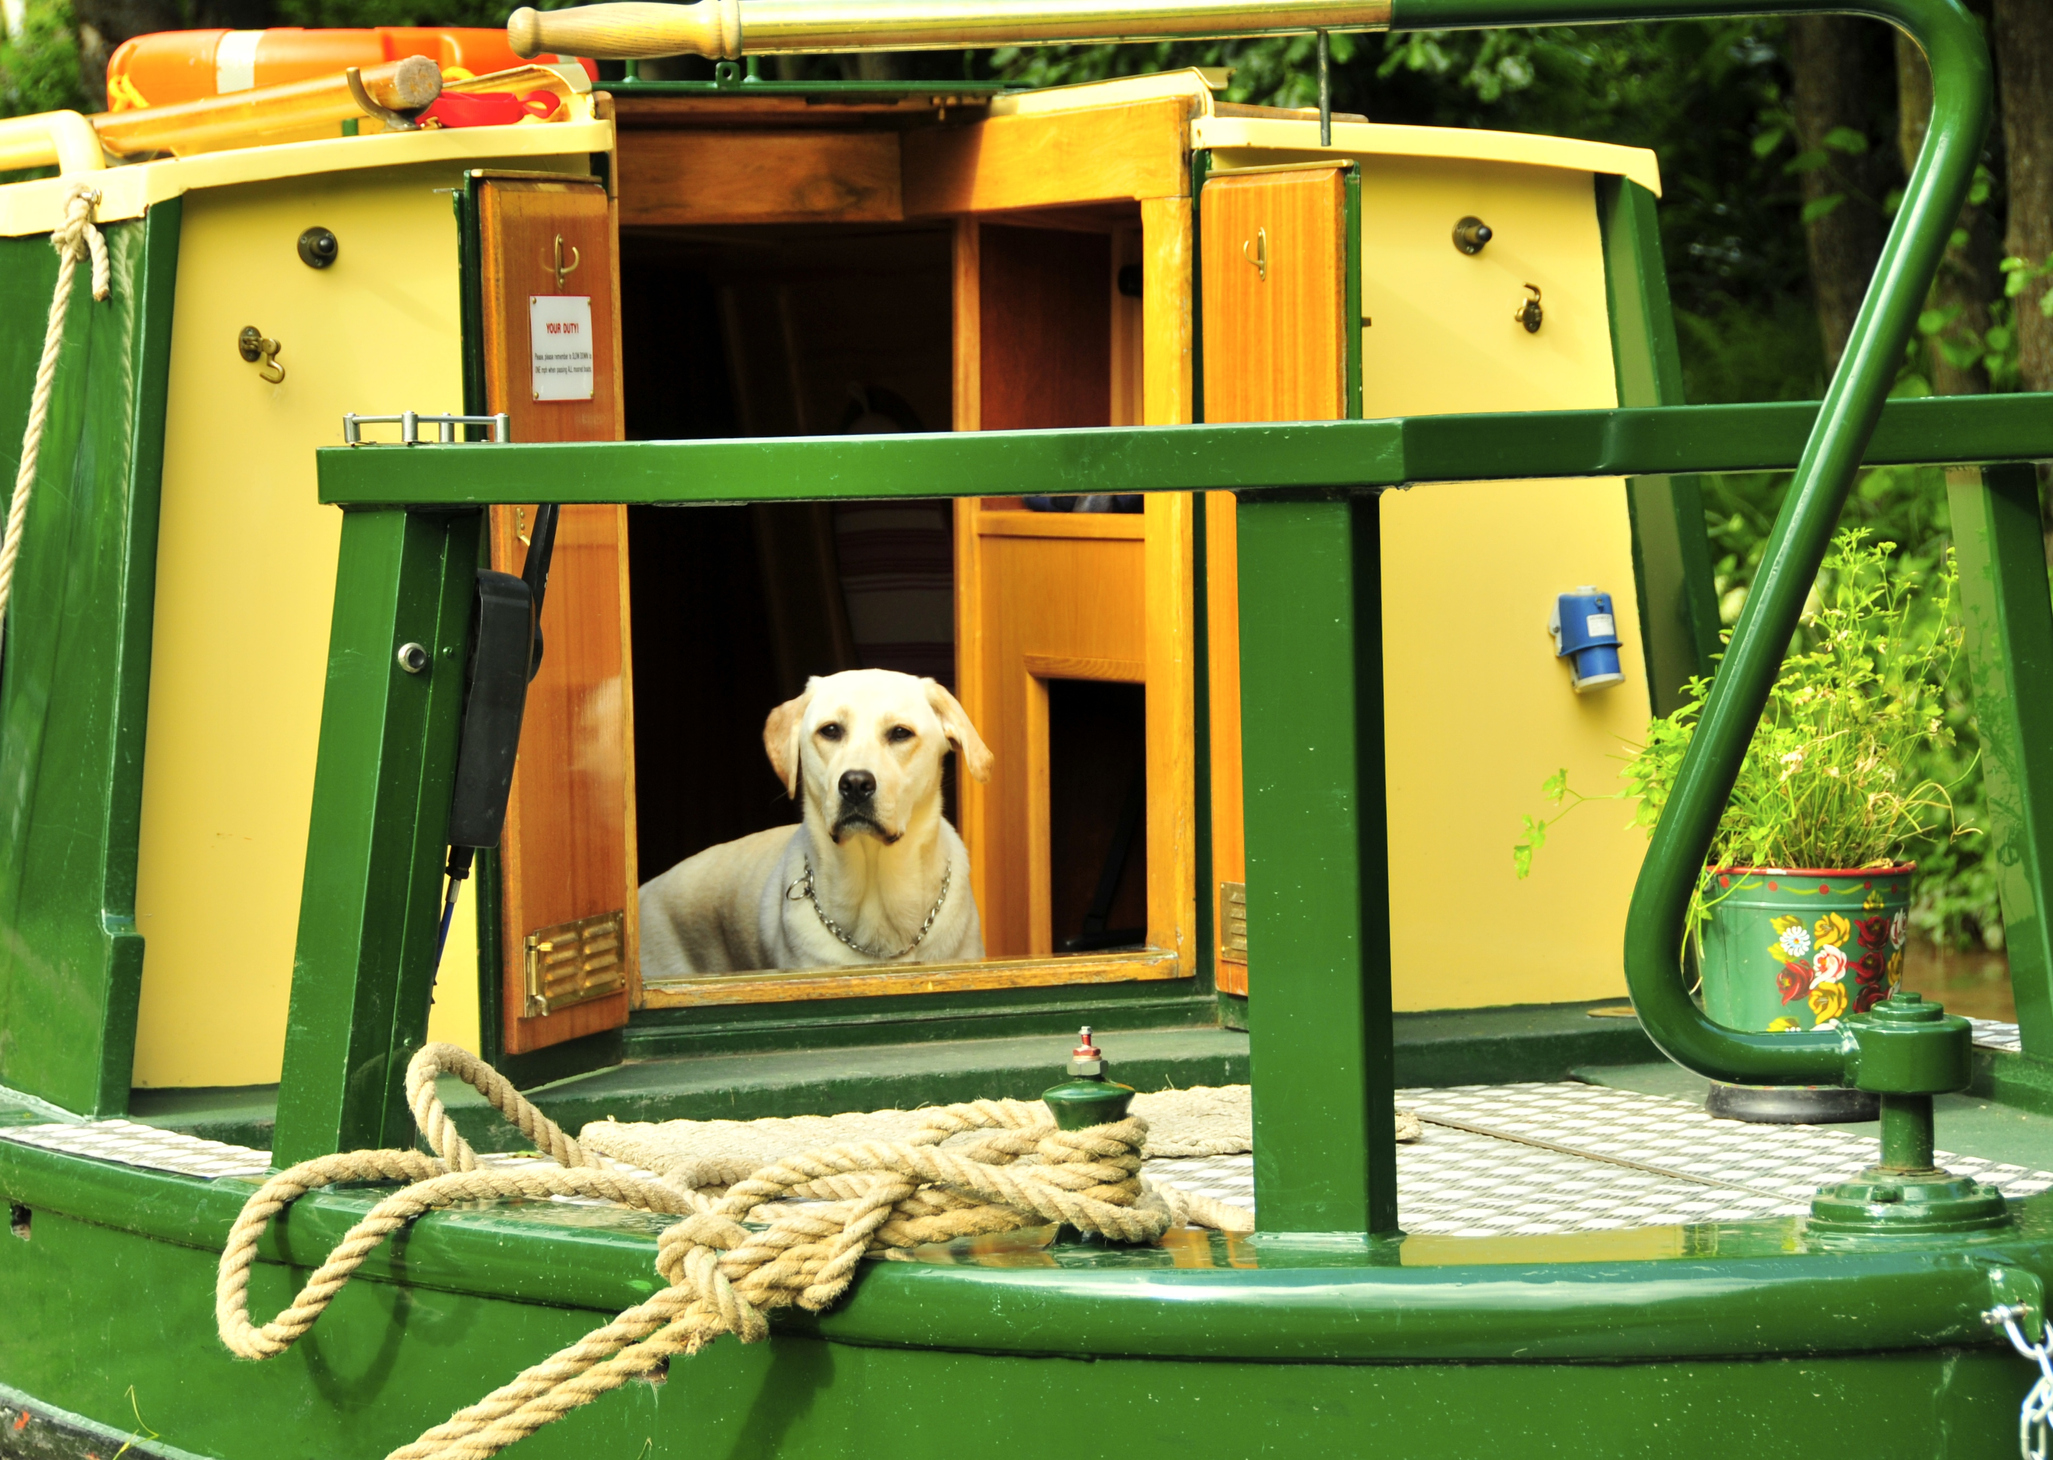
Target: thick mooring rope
722, 1276
74, 239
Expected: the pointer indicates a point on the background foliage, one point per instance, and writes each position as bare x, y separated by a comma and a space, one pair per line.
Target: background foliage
1780, 149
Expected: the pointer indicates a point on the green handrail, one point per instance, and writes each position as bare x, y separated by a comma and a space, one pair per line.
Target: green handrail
1959, 58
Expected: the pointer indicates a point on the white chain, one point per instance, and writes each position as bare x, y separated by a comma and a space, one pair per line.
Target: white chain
2034, 1436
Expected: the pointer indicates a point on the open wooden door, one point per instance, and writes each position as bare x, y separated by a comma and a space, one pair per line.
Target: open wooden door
548, 321
1282, 342
1078, 321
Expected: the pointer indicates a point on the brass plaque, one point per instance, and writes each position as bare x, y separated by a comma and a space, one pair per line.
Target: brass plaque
1233, 920
574, 963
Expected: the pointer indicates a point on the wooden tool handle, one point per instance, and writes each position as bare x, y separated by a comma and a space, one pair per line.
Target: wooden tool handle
629, 30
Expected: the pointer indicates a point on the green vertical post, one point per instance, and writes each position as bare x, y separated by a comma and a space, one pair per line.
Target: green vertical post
1311, 637
2009, 622
368, 912
1678, 598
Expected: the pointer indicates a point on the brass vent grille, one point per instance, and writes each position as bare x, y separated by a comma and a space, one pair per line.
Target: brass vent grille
574, 963
1233, 920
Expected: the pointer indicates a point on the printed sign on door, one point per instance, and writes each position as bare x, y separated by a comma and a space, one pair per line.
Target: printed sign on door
560, 333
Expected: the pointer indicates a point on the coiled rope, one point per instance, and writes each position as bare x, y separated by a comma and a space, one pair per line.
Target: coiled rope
723, 1276
74, 239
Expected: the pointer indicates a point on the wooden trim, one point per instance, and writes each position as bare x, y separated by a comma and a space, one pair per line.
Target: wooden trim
1167, 399
1171, 724
1129, 324
1066, 666
969, 326
972, 800
873, 981
702, 177
1127, 526
1099, 155
1167, 394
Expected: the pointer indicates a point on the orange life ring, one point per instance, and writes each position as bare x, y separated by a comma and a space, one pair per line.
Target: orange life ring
172, 66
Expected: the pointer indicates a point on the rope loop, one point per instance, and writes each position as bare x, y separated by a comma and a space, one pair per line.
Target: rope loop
791, 1234
74, 238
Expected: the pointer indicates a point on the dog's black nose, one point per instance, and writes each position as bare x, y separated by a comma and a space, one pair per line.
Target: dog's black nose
857, 785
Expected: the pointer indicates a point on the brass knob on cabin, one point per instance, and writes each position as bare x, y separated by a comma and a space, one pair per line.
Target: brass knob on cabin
318, 248
253, 347
1470, 234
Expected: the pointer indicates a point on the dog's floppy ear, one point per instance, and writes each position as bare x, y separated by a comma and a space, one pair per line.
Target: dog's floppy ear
780, 737
976, 756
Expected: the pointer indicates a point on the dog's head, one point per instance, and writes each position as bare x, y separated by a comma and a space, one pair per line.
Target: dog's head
864, 748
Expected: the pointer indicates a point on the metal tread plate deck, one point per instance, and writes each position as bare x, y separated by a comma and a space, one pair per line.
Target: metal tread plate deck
1527, 1159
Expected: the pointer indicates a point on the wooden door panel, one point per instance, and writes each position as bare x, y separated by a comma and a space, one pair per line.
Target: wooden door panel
1275, 332
567, 855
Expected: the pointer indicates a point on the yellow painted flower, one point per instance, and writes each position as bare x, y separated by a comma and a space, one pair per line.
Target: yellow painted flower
1833, 928
1895, 968
1783, 1025
1872, 902
1828, 1000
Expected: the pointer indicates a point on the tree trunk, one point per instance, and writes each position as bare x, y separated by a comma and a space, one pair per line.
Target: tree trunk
1832, 80
1968, 276
2024, 62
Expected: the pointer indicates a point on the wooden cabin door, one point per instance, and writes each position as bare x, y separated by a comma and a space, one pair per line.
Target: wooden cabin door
1278, 267
548, 279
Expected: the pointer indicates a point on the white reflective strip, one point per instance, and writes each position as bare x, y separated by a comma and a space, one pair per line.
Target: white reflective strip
235, 63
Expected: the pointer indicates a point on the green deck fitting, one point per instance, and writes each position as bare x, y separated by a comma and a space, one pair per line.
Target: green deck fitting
74, 693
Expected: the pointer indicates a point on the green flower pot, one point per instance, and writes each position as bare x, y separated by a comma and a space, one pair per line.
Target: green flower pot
1801, 949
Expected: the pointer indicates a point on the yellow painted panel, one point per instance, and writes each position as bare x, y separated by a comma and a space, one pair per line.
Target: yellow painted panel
246, 580
453, 1017
1479, 710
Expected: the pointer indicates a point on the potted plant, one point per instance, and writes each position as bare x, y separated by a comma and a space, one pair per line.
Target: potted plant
1803, 911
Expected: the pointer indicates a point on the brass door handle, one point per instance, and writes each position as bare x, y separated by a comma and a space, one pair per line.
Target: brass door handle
1256, 252
253, 347
560, 267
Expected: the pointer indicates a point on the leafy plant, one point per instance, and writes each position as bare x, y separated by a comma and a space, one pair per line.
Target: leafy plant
1838, 773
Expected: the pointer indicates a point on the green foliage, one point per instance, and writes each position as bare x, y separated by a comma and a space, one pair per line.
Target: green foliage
39, 66
1837, 774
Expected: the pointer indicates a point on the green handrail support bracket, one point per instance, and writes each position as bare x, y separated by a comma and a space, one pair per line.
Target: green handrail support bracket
376, 841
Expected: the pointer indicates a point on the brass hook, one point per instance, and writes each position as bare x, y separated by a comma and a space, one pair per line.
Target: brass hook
520, 526
561, 267
1260, 257
1529, 313
253, 347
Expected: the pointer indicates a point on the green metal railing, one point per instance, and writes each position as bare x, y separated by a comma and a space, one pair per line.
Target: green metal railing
1311, 632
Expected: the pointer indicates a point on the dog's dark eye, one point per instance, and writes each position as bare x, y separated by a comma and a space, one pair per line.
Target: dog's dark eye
898, 733
829, 732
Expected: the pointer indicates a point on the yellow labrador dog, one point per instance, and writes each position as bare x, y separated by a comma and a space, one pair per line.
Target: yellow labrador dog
872, 874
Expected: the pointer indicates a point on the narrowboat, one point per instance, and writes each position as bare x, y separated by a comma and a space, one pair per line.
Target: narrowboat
440, 461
